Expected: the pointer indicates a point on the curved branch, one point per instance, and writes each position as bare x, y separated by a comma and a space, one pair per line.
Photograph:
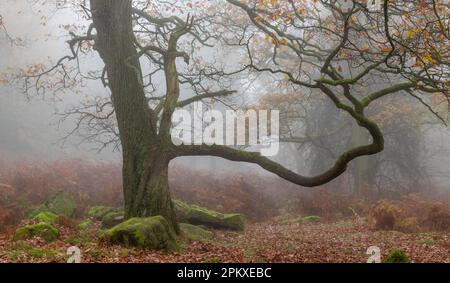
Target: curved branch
337, 169
203, 96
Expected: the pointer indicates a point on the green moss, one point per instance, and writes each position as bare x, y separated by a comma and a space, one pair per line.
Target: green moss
428, 242
112, 219
96, 254
32, 212
396, 256
15, 255
21, 246
62, 203
79, 239
197, 215
86, 224
147, 233
312, 218
46, 217
44, 230
85, 234
195, 233
41, 253
98, 212
125, 252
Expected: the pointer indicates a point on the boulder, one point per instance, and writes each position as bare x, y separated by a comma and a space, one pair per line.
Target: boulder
62, 203
147, 233
45, 217
44, 230
195, 233
112, 219
197, 215
98, 212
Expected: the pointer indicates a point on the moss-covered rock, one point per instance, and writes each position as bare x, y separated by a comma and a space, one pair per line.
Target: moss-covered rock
195, 233
44, 230
86, 224
98, 212
147, 233
45, 217
112, 219
62, 203
197, 215
396, 256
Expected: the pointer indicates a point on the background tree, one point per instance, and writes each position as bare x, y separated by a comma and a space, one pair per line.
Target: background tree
320, 132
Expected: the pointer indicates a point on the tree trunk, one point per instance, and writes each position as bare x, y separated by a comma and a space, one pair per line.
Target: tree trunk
364, 171
151, 195
145, 164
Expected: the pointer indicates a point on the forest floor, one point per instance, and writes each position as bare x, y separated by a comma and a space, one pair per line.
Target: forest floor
271, 241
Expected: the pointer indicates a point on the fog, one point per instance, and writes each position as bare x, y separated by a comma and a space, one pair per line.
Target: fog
30, 125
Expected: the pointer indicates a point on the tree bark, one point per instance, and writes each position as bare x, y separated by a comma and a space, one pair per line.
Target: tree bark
364, 167
145, 166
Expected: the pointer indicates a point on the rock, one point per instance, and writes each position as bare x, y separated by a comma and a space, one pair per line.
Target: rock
98, 212
109, 216
45, 217
112, 219
197, 215
44, 230
147, 233
195, 233
62, 203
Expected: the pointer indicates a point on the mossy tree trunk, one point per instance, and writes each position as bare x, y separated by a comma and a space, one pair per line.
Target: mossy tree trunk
151, 195
145, 165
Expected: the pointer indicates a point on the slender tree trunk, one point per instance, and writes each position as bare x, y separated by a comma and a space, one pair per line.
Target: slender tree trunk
364, 171
145, 163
